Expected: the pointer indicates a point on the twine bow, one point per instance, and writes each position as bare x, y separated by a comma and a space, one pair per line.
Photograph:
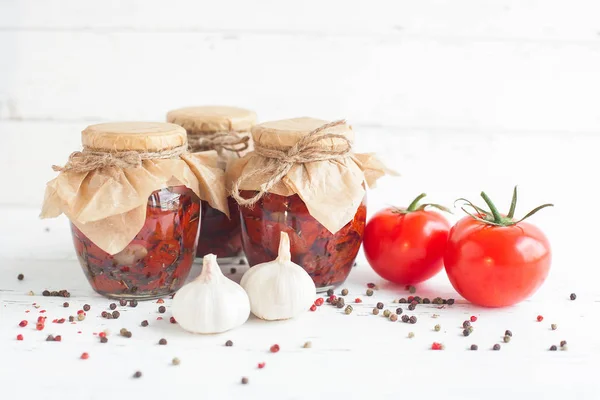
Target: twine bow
281, 161
230, 141
90, 160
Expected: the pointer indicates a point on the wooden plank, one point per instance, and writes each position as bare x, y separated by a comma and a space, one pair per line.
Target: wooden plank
406, 83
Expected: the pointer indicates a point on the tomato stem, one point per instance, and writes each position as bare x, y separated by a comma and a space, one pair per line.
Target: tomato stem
415, 203
415, 206
513, 204
493, 209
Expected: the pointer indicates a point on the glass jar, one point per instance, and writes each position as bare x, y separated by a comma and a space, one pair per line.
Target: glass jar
158, 260
327, 257
220, 235
227, 131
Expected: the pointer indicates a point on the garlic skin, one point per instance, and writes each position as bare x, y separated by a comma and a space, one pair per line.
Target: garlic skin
212, 303
279, 289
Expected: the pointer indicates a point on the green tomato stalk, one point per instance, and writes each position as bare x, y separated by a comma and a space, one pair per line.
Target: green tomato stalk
416, 206
493, 216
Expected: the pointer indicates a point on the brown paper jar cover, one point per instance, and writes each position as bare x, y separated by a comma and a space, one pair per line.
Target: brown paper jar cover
108, 205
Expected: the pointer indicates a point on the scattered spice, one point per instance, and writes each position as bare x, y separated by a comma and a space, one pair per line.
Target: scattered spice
402, 300
84, 356
435, 315
344, 292
39, 326
386, 313
58, 338
162, 309
473, 318
244, 381
474, 347
573, 296
81, 317
369, 292
348, 310
275, 347
405, 318
426, 301
508, 333
23, 323
540, 318
332, 299
103, 339
319, 302
137, 374
86, 307
412, 289
313, 308
229, 343
410, 299
470, 329
104, 314
340, 303
398, 310
307, 345
261, 365
330, 292
116, 314
232, 271
496, 347
357, 300
506, 339
71, 318
19, 337
65, 304
413, 320
112, 306
393, 317
466, 324
175, 361
417, 300
553, 327
163, 342
437, 346
371, 285
45, 293
450, 302
20, 277
50, 338
144, 323
412, 306
123, 302
553, 347
173, 320
466, 332
380, 305
437, 328
376, 311
133, 303
411, 335
563, 343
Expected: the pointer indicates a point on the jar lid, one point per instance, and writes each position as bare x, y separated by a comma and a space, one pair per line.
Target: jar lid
139, 136
211, 119
285, 133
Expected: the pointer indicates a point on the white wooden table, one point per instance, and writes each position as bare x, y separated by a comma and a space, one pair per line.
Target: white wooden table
352, 356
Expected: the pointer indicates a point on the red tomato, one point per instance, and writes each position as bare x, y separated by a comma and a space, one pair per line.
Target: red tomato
406, 246
495, 265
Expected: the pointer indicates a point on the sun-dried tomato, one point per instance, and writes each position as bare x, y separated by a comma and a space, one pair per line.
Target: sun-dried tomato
220, 235
158, 259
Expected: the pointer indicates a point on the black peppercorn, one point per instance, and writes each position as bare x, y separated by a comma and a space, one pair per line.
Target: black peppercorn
412, 306
122, 302
508, 333
344, 292
563, 343
86, 307
380, 305
405, 318
20, 277
65, 304
553, 348
496, 347
71, 318
413, 320
229, 343
426, 301
417, 300
398, 311
144, 323
244, 381
116, 314
232, 270
133, 303
50, 338
46, 293
163, 342
369, 292
103, 339
474, 347
450, 302
330, 292
162, 309
573, 296
466, 324
402, 300
112, 306
137, 374
466, 332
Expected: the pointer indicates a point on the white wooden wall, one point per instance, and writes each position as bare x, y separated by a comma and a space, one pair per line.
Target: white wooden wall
436, 86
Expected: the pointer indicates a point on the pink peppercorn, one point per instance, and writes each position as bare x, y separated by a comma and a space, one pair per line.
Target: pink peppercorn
23, 323
319, 302
357, 300
313, 308
436, 346
473, 318
261, 365
540, 318
85, 356
274, 348
19, 337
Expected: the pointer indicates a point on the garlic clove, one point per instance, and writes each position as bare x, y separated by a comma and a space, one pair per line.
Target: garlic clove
211, 303
279, 289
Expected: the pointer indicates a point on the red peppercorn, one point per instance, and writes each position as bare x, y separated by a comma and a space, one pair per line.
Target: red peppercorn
85, 356
313, 308
332, 298
41, 319
357, 300
39, 326
410, 299
160, 301
19, 337
58, 338
436, 346
261, 365
43, 311
102, 334
370, 285
540, 318
275, 348
80, 312
23, 323
173, 321
473, 318
319, 302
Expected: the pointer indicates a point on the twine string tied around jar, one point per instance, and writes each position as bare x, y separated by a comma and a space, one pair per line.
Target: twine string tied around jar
219, 141
279, 162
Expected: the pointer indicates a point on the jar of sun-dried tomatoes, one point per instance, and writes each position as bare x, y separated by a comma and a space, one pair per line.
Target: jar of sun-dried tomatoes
304, 179
133, 197
227, 131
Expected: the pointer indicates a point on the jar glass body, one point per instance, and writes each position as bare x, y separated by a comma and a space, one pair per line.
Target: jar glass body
327, 257
220, 235
158, 260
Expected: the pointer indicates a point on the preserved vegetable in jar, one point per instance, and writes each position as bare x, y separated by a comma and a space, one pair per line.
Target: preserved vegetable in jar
225, 130
304, 179
133, 196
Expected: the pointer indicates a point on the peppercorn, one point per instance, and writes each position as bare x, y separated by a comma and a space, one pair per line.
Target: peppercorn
386, 313
344, 292
380, 305
553, 348
261, 365
163, 342
232, 270
103, 339
127, 334
466, 332
508, 333
58, 338
229, 343
496, 347
506, 339
412, 289
426, 301
573, 296
369, 292
275, 348
109, 316
112, 306
405, 318
116, 314
46, 293
450, 302
398, 311
137, 374
410, 299
413, 320
244, 381
402, 300
376, 311
474, 347
172, 320
444, 301
19, 337
71, 318
466, 324
176, 361
23, 323
122, 331
65, 304
144, 323
340, 304
123, 302
473, 318
411, 335
20, 277
307, 345
412, 306
553, 327
563, 343
104, 314
242, 261
133, 303
418, 300
162, 309
437, 328
86, 307
357, 300
348, 310
330, 292
540, 318
85, 356
50, 338
81, 317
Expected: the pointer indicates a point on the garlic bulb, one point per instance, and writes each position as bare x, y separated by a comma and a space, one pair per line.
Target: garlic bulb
212, 303
279, 289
